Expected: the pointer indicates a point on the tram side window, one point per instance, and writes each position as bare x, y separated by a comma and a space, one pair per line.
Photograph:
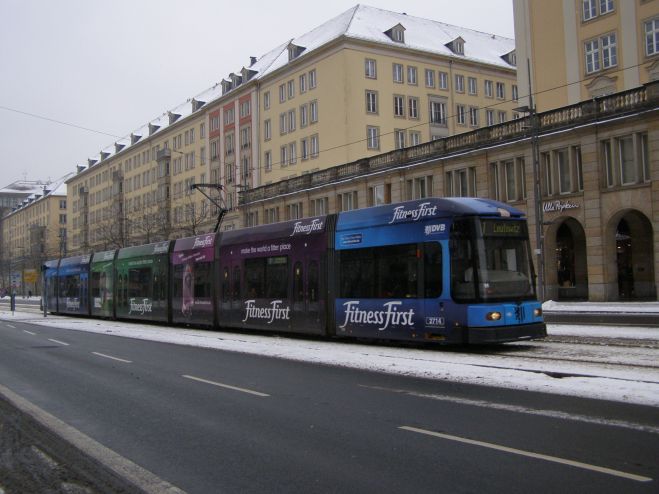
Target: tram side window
357, 273
276, 275
70, 286
381, 272
139, 281
255, 278
397, 271
202, 280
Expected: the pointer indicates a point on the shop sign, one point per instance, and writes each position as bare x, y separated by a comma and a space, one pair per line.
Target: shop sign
559, 206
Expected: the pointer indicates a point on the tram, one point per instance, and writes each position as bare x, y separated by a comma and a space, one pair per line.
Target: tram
437, 270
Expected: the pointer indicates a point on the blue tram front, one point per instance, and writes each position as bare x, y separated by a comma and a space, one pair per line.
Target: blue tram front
453, 270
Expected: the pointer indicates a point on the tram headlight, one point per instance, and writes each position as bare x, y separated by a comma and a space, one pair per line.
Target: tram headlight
493, 316
537, 312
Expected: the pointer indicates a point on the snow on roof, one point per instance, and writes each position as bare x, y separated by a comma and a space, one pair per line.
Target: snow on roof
56, 188
23, 187
361, 22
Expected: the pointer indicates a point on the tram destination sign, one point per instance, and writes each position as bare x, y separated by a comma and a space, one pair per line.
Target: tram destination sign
503, 228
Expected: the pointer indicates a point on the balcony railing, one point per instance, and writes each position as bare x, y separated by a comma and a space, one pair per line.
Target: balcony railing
598, 109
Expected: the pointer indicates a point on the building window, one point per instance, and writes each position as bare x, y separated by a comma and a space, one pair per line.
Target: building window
267, 130
291, 120
489, 89
548, 184
399, 138
294, 211
379, 195
347, 201
515, 93
399, 106
502, 117
430, 78
304, 149
292, 153
290, 89
459, 83
601, 53
282, 93
319, 206
419, 188
564, 172
413, 107
283, 124
283, 156
471, 83
589, 9
370, 68
312, 79
626, 160
266, 100
438, 112
371, 102
398, 73
304, 116
373, 137
489, 117
415, 138
652, 37
473, 116
315, 146
303, 83
267, 161
411, 75
501, 90
313, 111
271, 215
460, 114
461, 183
443, 80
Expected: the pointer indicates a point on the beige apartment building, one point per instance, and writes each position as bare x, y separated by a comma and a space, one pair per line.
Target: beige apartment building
32, 232
582, 49
365, 82
596, 173
139, 190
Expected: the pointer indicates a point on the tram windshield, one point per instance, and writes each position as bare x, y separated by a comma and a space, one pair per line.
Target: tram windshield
490, 261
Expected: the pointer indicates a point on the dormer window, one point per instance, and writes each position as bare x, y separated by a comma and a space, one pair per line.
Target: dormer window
396, 33
457, 46
226, 86
294, 51
511, 58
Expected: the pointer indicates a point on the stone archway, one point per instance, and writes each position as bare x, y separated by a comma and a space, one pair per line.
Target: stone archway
631, 257
566, 266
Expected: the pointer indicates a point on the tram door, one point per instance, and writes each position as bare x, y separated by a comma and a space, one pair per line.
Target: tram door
306, 294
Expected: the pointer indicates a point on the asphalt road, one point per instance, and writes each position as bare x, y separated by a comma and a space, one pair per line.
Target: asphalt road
213, 421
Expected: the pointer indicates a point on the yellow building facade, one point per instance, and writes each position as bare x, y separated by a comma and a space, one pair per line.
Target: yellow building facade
581, 49
34, 231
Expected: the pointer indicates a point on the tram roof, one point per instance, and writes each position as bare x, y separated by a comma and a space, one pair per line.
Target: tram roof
425, 209
285, 229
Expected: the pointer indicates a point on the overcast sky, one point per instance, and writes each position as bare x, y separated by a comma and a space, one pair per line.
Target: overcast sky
111, 66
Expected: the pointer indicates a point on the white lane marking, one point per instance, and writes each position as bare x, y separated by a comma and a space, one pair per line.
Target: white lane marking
234, 388
113, 358
554, 459
57, 341
556, 414
12, 327
29, 332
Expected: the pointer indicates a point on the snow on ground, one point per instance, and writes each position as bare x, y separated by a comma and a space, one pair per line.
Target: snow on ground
602, 307
622, 374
